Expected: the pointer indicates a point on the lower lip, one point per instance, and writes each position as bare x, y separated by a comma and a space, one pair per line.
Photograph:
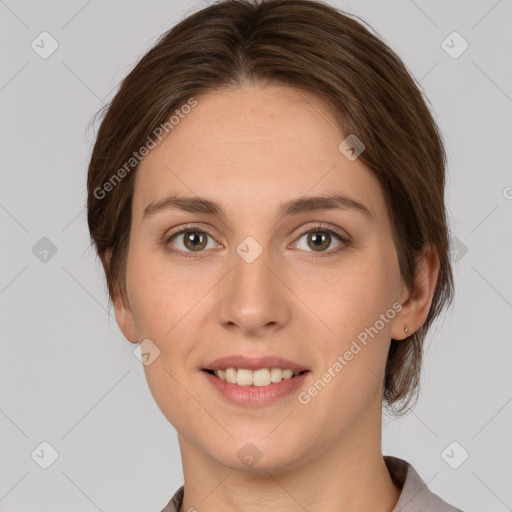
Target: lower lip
255, 396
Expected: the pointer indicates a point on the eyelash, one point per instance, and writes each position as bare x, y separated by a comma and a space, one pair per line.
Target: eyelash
316, 227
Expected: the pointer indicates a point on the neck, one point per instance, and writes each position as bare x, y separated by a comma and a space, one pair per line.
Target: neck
349, 477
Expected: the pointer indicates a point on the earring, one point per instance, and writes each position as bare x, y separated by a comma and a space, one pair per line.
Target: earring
406, 330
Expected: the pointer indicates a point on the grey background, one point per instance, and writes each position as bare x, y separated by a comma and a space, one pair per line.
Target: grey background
67, 375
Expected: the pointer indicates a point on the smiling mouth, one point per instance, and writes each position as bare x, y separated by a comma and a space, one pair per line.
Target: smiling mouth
256, 378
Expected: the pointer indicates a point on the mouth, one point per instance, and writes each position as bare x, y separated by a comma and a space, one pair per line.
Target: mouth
256, 387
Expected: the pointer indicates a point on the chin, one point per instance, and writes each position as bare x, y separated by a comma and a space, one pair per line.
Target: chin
257, 454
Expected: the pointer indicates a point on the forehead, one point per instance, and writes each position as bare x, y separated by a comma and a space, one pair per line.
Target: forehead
255, 143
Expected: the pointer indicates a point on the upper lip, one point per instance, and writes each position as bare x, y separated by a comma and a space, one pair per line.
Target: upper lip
253, 363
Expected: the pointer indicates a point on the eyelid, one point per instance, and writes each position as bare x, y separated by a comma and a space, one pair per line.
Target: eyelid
325, 226
187, 227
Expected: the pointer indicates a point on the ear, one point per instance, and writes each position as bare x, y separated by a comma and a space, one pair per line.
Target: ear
122, 308
416, 302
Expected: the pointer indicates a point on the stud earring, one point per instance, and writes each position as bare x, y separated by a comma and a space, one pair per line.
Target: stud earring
406, 330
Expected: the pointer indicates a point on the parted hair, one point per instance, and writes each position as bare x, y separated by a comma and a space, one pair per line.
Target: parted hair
314, 47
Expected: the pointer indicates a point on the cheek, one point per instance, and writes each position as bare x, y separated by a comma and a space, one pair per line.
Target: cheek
165, 308
169, 309
353, 311
351, 296
160, 297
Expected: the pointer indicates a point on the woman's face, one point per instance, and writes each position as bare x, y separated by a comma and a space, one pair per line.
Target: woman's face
257, 280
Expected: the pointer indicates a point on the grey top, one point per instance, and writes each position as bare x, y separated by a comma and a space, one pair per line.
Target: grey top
415, 495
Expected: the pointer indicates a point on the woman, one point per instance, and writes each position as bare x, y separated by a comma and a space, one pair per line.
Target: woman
266, 196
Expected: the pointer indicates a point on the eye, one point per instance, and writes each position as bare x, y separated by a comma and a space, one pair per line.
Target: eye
319, 239
191, 239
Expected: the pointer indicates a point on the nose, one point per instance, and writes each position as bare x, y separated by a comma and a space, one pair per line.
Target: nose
254, 299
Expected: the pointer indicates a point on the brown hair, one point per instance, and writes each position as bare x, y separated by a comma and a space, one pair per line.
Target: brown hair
308, 45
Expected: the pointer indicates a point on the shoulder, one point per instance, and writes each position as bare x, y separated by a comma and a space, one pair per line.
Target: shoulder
415, 496
175, 504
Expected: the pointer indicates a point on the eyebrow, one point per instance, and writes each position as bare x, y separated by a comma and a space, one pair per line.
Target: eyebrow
293, 207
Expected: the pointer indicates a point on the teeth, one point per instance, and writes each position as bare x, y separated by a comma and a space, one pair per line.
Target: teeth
262, 377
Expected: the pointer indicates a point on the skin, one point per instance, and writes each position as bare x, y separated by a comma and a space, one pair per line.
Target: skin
251, 148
